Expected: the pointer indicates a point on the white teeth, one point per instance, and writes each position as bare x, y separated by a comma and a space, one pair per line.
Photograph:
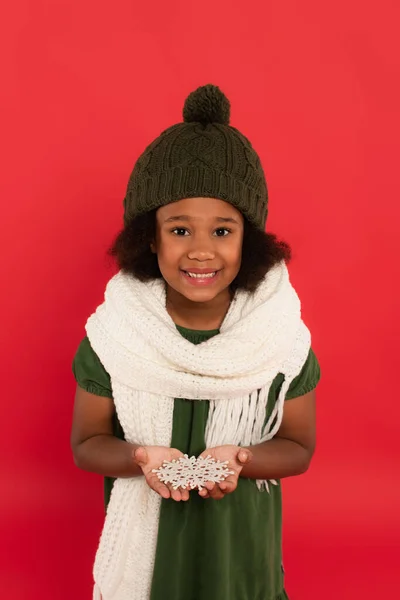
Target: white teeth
201, 275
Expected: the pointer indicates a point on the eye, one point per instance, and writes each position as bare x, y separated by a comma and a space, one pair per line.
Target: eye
180, 231
222, 232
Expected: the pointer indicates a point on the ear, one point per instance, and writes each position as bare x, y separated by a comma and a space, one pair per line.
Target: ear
153, 247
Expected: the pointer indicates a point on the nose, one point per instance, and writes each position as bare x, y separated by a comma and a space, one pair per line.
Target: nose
201, 250
201, 255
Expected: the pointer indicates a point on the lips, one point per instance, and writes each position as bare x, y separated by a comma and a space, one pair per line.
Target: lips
200, 276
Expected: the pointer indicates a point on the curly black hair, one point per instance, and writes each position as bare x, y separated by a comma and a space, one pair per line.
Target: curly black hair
261, 251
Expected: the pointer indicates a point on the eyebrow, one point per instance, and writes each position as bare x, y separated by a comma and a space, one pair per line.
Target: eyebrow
187, 218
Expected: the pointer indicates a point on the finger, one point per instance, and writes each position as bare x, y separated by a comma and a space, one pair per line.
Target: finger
160, 488
227, 487
140, 456
204, 493
185, 495
175, 494
210, 485
244, 456
215, 493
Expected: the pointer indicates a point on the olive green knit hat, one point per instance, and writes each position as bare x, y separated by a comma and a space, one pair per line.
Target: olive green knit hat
202, 157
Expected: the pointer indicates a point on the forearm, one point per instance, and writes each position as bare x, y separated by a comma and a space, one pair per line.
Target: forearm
108, 456
276, 459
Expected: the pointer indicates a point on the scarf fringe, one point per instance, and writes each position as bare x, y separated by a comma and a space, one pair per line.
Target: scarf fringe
243, 421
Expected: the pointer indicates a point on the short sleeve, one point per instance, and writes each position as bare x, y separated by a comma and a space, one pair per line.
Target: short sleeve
308, 378
89, 372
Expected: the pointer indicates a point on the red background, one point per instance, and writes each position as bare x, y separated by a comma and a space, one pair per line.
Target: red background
86, 85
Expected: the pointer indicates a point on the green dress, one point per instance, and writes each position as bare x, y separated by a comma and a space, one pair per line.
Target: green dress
224, 550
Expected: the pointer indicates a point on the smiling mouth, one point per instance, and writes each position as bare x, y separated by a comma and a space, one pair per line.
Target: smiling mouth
200, 278
208, 275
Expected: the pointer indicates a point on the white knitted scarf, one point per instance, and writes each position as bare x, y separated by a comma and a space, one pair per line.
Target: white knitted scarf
150, 364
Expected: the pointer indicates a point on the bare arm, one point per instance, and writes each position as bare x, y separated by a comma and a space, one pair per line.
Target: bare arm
93, 444
96, 449
290, 451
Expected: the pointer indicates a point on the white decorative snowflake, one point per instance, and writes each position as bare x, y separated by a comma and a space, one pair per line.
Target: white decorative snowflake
192, 472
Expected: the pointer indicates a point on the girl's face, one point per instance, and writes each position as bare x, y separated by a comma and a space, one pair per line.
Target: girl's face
199, 247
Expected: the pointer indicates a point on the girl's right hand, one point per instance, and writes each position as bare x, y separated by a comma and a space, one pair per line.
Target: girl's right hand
152, 457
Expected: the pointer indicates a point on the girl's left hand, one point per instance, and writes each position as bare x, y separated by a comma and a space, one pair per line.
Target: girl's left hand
237, 457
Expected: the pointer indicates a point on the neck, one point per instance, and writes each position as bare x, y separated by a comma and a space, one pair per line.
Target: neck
197, 315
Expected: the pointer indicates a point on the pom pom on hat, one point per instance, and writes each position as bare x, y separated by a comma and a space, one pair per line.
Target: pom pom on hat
207, 105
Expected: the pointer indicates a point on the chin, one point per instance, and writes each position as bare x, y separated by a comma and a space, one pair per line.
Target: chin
205, 297
199, 295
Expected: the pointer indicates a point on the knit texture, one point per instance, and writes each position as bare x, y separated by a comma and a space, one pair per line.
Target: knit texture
202, 157
150, 364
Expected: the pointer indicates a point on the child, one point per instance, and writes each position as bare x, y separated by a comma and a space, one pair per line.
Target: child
195, 350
